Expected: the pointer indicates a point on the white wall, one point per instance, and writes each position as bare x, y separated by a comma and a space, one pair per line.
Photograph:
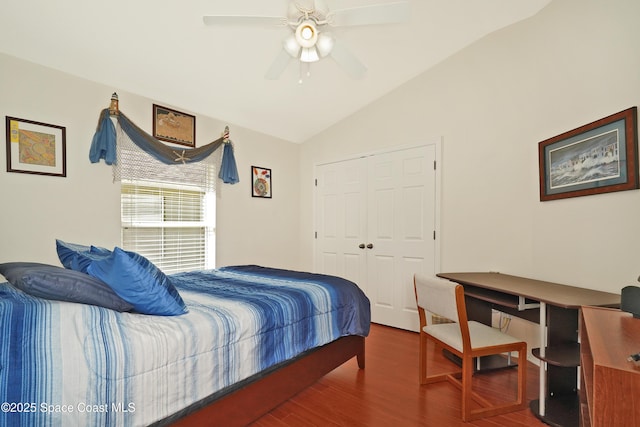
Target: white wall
575, 62
84, 207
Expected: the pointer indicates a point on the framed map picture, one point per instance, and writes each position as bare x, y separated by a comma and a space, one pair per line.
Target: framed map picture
173, 126
261, 182
36, 148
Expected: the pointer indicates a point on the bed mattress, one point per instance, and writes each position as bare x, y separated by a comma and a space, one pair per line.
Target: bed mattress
65, 364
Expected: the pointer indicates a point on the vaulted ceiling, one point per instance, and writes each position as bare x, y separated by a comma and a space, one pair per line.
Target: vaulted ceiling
162, 50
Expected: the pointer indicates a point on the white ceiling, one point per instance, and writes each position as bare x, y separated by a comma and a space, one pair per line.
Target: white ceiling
161, 49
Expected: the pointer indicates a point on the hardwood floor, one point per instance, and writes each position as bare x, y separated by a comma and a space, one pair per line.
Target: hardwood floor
387, 392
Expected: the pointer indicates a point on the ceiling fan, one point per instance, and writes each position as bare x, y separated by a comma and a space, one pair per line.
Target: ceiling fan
310, 39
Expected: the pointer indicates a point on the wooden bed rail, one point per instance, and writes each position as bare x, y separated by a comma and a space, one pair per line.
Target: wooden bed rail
248, 403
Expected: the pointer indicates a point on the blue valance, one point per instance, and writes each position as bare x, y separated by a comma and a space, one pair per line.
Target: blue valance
228, 170
103, 147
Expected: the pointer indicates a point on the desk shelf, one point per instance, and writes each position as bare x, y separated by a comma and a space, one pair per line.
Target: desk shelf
560, 365
560, 411
563, 355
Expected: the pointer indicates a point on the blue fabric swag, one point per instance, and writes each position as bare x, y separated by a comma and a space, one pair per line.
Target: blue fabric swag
228, 170
103, 146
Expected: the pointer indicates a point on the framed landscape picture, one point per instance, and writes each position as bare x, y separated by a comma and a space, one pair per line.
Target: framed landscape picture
599, 157
36, 148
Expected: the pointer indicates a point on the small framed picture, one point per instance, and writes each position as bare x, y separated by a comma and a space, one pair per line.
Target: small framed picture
261, 182
36, 148
173, 126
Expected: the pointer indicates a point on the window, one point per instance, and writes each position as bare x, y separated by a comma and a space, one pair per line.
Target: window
171, 225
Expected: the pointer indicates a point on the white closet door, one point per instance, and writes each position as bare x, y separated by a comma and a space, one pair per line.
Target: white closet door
401, 226
375, 224
341, 222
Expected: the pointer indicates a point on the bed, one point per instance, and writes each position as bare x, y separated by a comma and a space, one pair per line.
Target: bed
250, 338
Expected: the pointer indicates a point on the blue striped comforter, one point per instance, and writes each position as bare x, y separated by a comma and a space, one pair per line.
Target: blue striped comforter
65, 364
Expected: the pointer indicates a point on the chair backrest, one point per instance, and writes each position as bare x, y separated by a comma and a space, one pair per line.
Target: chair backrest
443, 298
437, 296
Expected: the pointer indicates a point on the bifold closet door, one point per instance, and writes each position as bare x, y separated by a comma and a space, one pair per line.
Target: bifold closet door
375, 222
400, 229
341, 220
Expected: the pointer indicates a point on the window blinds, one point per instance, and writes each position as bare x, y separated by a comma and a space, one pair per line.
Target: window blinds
171, 225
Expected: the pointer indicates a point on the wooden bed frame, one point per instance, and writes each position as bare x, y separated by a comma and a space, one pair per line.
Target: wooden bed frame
250, 402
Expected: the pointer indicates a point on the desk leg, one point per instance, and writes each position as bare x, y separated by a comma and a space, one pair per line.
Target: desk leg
543, 364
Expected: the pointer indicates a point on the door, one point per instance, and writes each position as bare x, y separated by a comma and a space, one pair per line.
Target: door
401, 231
341, 222
376, 225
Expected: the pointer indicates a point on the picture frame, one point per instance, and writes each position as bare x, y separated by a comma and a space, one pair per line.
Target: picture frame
261, 182
599, 157
174, 126
36, 148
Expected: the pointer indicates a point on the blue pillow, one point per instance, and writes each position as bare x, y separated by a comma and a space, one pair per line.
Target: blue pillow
57, 283
138, 281
78, 257
97, 250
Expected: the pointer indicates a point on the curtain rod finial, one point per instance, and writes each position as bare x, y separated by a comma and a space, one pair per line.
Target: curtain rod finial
225, 135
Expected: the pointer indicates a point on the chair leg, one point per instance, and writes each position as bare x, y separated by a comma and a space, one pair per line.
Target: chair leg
423, 358
467, 375
464, 380
423, 374
488, 408
522, 376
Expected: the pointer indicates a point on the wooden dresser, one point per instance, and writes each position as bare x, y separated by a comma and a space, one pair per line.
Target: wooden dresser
610, 386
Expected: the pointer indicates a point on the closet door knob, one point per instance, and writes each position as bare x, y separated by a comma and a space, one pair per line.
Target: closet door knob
361, 245
370, 246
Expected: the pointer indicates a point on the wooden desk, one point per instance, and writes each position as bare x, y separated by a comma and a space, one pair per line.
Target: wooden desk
555, 308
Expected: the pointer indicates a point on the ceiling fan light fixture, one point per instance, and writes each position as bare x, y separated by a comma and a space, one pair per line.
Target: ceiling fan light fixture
309, 54
307, 34
291, 46
325, 44
310, 39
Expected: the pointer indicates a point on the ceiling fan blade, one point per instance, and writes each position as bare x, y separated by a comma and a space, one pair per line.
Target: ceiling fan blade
278, 66
385, 13
244, 20
348, 61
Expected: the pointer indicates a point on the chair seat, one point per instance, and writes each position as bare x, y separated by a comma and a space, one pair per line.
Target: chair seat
481, 335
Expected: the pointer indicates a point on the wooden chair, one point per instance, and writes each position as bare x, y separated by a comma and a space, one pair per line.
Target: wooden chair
467, 340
